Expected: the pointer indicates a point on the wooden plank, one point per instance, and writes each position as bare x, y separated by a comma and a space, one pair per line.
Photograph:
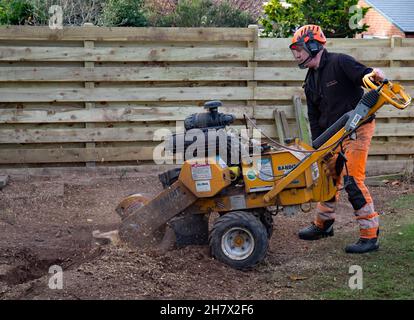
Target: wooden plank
277, 93
287, 93
125, 94
374, 168
49, 114
122, 114
296, 74
66, 155
99, 54
391, 148
381, 130
8, 136
378, 167
388, 111
80, 155
408, 42
394, 129
334, 43
362, 54
279, 127
125, 34
124, 74
302, 121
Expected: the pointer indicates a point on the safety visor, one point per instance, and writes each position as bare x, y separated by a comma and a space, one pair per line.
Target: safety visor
297, 46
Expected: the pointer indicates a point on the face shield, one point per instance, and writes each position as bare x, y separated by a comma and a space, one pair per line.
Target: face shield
299, 51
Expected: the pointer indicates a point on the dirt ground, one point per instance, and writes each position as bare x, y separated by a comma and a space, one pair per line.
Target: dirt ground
48, 220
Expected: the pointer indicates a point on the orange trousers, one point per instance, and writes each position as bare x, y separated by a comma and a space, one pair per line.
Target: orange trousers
353, 175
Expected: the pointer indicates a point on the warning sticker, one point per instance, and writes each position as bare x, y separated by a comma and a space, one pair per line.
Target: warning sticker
201, 172
315, 171
264, 167
203, 186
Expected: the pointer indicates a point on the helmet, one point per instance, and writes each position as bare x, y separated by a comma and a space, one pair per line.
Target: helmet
309, 32
309, 37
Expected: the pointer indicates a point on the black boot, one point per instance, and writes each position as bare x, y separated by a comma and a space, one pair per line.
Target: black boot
315, 233
363, 245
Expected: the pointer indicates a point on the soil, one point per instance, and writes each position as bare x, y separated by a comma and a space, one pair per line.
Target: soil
49, 220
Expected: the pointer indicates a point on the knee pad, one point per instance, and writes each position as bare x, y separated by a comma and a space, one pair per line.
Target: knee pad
355, 195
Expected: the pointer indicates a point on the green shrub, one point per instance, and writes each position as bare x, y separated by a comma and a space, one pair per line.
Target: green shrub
334, 17
205, 13
123, 13
15, 11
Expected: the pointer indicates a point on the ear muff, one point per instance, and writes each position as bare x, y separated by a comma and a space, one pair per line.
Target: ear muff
312, 46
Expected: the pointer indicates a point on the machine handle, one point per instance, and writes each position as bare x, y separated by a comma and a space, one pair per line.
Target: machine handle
393, 93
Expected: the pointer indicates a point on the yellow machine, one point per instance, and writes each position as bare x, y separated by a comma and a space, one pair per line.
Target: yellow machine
244, 194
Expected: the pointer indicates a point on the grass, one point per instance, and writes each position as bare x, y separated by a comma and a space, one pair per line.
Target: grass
388, 273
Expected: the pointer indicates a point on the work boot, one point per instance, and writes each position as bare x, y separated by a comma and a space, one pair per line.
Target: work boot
363, 245
313, 232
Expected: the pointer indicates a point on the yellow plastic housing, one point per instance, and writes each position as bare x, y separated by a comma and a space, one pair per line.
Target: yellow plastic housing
205, 177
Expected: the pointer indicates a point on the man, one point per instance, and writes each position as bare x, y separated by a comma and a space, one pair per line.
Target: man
333, 87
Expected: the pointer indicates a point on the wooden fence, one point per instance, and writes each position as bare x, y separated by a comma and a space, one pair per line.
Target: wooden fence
97, 95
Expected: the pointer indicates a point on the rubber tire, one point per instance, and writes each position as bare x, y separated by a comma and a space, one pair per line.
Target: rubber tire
245, 220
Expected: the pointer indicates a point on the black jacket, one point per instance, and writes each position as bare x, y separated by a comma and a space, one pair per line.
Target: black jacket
333, 89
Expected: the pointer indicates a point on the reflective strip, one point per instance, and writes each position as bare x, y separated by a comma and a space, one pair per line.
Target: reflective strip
369, 223
325, 211
326, 215
326, 207
368, 233
365, 210
370, 216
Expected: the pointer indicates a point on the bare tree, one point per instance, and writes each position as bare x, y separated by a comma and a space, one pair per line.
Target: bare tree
75, 12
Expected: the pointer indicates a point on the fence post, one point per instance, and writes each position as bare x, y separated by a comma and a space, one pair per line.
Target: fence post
88, 44
252, 64
396, 41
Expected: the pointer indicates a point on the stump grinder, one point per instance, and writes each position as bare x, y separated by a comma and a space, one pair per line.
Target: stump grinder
244, 196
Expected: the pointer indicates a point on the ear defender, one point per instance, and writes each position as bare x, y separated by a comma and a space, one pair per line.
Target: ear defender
312, 46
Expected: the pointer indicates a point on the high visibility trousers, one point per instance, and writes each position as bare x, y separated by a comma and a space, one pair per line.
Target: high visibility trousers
356, 155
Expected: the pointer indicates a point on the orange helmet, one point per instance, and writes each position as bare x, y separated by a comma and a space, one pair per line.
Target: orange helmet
308, 32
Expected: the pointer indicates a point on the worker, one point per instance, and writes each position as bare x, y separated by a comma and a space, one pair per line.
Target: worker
332, 88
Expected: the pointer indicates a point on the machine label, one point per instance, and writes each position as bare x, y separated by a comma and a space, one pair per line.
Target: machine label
286, 167
201, 172
315, 171
355, 121
203, 186
264, 167
251, 175
238, 202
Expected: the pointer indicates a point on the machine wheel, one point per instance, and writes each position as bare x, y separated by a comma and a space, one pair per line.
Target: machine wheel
239, 240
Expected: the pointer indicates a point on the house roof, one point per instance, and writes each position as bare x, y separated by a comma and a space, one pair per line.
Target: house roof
399, 12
